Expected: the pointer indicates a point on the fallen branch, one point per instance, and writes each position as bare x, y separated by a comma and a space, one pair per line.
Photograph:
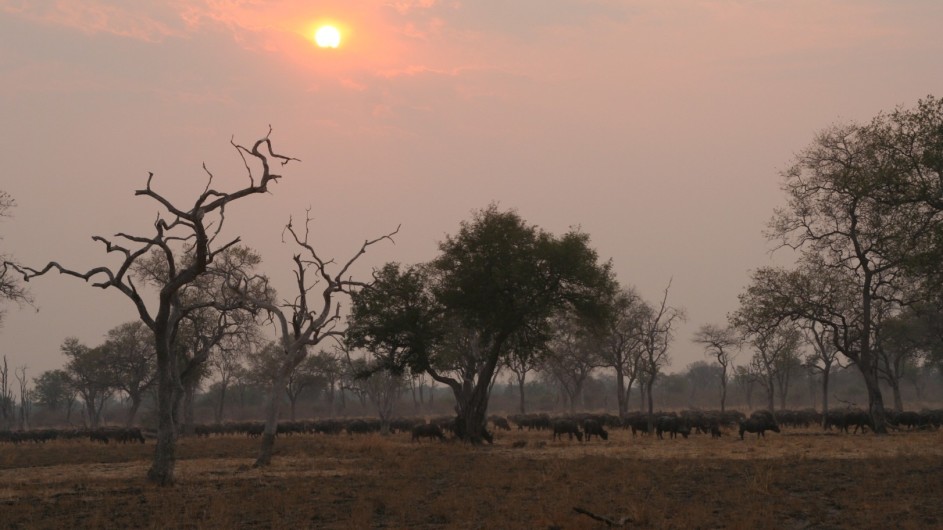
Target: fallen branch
620, 522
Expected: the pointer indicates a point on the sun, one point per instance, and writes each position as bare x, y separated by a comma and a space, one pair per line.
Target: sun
327, 37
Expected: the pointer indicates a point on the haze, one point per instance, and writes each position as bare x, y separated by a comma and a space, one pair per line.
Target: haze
657, 127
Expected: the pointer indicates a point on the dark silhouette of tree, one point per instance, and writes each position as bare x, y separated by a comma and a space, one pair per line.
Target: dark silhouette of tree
329, 365
90, 373
572, 355
188, 240
131, 355
304, 321
7, 401
658, 328
458, 317
720, 344
620, 341
863, 210
821, 359
53, 391
902, 341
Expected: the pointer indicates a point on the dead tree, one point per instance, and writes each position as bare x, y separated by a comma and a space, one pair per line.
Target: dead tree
657, 333
7, 401
719, 343
187, 239
26, 397
303, 321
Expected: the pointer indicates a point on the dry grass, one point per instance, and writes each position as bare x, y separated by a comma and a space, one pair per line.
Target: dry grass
791, 480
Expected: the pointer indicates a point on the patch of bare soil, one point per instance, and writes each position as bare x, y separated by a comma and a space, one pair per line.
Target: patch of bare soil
791, 480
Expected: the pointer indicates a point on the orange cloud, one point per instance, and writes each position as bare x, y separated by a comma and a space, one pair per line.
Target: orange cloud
97, 17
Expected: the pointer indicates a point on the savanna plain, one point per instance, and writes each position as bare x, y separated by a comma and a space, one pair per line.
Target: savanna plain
795, 479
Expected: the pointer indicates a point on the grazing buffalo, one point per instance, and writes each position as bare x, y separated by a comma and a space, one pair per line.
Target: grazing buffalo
132, 434
531, 421
428, 430
500, 423
759, 422
592, 428
860, 419
569, 427
714, 428
910, 419
672, 425
638, 424
98, 436
255, 430
844, 419
363, 426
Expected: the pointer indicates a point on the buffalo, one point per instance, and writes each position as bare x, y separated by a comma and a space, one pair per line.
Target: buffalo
673, 426
592, 428
759, 422
427, 430
500, 423
569, 427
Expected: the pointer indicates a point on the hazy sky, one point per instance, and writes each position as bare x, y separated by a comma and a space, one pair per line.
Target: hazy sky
658, 126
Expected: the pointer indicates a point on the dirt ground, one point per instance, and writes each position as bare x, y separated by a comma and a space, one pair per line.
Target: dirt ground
796, 479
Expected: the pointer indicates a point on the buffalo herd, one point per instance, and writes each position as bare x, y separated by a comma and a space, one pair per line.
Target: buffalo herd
582, 426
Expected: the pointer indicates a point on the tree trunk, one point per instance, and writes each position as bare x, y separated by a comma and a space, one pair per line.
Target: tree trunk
412, 388
271, 415
90, 412
620, 392
293, 401
651, 405
165, 454
520, 386
898, 400
470, 424
135, 405
867, 363
472, 401
771, 396
330, 400
825, 375
723, 390
189, 393
222, 402
641, 396
875, 399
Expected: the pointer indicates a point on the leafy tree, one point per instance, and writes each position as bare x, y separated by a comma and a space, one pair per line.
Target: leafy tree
90, 373
132, 358
821, 359
227, 362
571, 357
775, 350
525, 356
216, 314
863, 212
330, 367
620, 340
382, 387
53, 391
459, 317
701, 376
901, 344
